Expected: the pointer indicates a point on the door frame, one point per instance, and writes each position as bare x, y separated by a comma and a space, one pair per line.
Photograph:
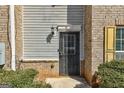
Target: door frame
79, 46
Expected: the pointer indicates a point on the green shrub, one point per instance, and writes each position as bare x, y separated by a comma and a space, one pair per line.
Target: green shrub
6, 76
21, 79
40, 84
112, 74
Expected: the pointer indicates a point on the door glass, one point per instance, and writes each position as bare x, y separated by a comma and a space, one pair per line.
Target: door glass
69, 44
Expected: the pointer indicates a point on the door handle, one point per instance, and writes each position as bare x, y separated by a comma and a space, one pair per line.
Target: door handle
60, 52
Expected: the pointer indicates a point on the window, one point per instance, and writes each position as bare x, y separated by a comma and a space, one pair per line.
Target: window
120, 43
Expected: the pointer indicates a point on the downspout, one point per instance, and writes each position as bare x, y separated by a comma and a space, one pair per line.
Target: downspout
12, 35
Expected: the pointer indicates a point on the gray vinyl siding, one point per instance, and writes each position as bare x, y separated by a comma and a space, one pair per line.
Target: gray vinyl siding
37, 23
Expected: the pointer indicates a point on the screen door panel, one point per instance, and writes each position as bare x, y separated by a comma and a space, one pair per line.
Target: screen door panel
69, 53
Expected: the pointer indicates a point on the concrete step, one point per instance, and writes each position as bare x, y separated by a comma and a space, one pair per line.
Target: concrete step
68, 82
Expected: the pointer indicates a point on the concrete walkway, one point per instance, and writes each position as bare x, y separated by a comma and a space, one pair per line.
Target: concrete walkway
67, 82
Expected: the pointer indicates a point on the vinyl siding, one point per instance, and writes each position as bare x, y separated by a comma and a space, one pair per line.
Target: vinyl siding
37, 23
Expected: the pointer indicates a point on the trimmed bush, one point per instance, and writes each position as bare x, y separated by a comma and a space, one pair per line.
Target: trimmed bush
112, 74
21, 79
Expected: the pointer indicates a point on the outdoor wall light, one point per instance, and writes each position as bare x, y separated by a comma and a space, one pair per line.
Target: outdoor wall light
53, 31
63, 27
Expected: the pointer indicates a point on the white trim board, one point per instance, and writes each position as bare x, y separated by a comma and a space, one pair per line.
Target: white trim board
40, 60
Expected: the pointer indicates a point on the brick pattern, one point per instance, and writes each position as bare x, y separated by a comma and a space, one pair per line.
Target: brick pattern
18, 31
82, 64
45, 68
96, 18
103, 16
88, 43
4, 33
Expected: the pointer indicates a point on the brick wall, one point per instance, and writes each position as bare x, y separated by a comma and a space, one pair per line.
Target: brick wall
103, 16
4, 33
96, 18
18, 28
87, 43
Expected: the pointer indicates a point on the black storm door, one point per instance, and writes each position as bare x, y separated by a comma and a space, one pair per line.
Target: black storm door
69, 53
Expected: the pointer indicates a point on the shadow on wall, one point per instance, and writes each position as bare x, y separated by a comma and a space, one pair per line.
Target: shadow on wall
74, 14
74, 17
49, 37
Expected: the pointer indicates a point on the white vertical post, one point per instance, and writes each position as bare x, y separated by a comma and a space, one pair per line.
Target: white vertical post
12, 30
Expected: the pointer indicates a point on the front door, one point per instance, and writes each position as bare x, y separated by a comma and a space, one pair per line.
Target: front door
69, 53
